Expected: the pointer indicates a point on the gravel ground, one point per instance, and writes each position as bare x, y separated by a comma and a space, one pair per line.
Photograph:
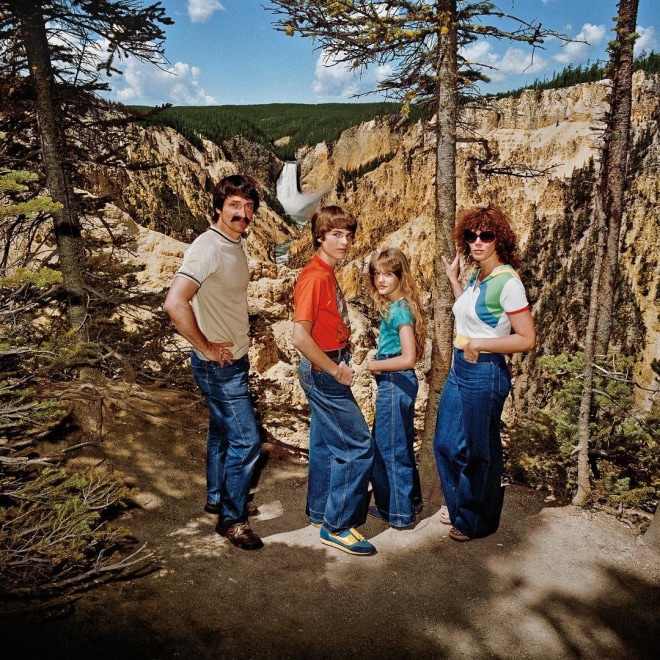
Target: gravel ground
554, 582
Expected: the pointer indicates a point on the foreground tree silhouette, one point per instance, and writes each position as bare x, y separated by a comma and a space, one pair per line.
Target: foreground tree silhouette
609, 212
421, 41
59, 44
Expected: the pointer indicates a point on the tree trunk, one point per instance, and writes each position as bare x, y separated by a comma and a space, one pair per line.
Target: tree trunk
615, 154
51, 133
445, 219
583, 495
608, 210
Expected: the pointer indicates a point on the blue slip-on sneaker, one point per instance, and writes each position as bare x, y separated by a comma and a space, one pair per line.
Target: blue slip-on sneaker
349, 540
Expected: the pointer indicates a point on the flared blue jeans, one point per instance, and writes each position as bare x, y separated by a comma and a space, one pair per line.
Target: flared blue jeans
233, 443
395, 477
341, 452
467, 444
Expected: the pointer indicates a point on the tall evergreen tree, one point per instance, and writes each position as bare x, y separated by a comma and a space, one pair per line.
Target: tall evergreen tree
609, 212
57, 43
421, 41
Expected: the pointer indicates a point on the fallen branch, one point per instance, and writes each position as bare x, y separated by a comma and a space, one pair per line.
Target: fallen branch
100, 574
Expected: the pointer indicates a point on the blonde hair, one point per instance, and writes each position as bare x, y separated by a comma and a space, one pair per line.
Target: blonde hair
394, 261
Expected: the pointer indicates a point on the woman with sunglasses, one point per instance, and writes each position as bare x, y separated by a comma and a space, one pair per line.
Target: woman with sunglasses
493, 319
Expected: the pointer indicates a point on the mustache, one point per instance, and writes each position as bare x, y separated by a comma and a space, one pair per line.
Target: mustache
238, 218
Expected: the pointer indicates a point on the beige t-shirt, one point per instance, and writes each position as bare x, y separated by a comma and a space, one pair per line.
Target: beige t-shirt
219, 266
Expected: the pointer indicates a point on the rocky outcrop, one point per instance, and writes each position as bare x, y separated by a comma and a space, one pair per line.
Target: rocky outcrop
254, 159
536, 156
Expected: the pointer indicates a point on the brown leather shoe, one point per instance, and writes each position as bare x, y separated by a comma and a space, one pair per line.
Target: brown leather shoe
457, 535
241, 535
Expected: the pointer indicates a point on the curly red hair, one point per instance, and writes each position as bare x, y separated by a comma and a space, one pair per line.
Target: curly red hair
488, 218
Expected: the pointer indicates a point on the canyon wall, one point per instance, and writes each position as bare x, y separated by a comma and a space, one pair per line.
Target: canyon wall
536, 156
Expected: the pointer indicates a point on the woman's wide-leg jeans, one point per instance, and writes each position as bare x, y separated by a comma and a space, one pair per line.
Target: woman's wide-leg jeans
341, 452
468, 447
233, 443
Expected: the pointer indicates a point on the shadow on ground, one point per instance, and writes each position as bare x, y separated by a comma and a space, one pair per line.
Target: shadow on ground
552, 583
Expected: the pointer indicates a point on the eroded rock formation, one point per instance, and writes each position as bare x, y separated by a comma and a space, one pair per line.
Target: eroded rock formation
555, 135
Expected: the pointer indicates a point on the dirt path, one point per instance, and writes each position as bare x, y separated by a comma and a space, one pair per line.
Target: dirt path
552, 583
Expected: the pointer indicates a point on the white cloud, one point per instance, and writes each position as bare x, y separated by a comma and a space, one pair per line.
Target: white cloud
647, 41
146, 84
517, 60
336, 79
200, 11
480, 52
576, 52
495, 66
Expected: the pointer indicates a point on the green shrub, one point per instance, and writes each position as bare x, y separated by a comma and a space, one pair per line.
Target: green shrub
623, 452
53, 530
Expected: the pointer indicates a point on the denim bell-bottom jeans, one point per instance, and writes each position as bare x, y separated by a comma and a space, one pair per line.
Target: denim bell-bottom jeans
233, 443
395, 477
467, 444
341, 452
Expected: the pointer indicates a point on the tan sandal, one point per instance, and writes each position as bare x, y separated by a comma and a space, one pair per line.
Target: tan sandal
457, 535
444, 516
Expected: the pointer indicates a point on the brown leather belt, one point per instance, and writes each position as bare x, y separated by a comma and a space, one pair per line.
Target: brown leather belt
337, 353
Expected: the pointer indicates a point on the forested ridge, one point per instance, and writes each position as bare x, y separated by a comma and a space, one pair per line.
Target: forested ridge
575, 75
285, 127
281, 127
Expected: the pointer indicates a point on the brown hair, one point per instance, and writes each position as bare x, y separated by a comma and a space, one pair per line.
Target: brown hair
394, 261
488, 218
328, 218
236, 184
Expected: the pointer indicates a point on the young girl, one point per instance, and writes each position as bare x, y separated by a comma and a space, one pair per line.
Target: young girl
395, 479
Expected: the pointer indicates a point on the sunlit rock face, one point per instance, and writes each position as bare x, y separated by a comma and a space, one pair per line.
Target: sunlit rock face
536, 156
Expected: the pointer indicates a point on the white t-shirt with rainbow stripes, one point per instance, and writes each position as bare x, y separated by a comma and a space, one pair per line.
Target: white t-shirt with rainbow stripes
482, 310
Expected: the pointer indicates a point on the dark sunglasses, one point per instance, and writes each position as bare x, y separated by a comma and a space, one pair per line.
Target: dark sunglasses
484, 236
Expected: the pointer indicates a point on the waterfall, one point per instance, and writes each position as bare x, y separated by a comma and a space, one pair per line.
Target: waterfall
286, 187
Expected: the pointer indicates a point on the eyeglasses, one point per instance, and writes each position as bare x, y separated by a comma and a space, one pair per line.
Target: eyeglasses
484, 236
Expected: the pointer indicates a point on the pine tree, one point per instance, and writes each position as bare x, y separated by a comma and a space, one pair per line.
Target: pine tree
421, 42
56, 70
609, 213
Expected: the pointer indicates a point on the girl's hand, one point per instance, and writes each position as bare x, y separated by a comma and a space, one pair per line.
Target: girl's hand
372, 365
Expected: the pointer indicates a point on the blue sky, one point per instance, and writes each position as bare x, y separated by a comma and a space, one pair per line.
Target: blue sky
227, 52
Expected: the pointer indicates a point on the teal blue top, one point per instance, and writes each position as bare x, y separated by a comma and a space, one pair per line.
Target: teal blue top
398, 314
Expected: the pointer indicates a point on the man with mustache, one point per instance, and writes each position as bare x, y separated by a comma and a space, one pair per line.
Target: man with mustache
207, 302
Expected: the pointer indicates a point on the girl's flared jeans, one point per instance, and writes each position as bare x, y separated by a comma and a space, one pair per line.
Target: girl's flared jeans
468, 446
395, 477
